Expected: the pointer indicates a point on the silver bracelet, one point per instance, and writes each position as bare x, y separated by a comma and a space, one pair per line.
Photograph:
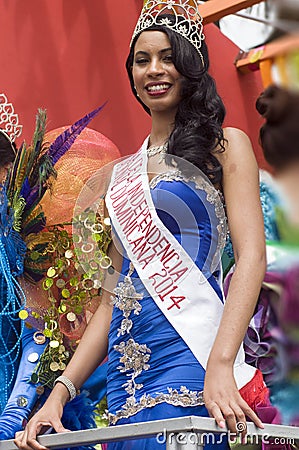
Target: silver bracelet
68, 384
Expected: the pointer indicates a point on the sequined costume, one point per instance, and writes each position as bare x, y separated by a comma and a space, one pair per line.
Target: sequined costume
12, 252
35, 241
271, 343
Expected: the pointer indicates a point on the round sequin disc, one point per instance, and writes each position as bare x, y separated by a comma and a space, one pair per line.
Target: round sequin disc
71, 317
69, 254
23, 314
51, 272
22, 401
34, 378
60, 283
39, 337
40, 390
54, 366
107, 221
33, 357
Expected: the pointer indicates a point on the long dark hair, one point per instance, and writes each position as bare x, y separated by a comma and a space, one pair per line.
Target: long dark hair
7, 150
198, 123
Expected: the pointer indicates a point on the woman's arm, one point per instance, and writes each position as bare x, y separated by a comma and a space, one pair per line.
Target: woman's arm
241, 192
91, 350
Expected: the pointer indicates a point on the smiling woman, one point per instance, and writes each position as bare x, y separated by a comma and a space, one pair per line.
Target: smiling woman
157, 82
174, 343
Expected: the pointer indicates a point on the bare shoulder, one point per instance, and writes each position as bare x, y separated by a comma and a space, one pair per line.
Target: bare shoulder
234, 133
238, 148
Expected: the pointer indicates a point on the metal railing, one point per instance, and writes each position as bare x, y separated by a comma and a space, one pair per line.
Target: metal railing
183, 433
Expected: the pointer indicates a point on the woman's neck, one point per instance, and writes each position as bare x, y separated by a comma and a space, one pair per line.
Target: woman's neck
161, 129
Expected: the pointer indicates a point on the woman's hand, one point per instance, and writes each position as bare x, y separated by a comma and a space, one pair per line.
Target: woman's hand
49, 416
223, 400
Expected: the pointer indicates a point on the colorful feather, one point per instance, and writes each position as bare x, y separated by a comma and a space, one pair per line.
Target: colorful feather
63, 142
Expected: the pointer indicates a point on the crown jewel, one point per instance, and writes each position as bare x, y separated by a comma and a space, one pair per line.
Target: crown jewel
186, 19
9, 121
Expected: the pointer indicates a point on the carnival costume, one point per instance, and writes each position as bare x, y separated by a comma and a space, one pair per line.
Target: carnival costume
271, 343
47, 315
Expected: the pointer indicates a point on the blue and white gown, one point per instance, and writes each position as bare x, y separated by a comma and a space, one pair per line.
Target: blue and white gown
152, 373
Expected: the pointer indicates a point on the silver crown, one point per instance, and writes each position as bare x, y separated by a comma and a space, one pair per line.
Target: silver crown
186, 19
9, 121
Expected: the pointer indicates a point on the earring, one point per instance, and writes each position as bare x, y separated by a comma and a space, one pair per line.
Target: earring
136, 91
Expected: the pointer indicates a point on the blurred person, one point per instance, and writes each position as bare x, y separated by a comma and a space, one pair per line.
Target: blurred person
272, 343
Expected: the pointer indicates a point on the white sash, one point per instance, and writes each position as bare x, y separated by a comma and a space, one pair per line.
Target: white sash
170, 276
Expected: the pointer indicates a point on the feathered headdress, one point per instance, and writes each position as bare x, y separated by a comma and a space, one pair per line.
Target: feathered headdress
21, 223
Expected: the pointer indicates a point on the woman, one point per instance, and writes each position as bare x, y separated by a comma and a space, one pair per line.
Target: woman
279, 137
278, 305
160, 364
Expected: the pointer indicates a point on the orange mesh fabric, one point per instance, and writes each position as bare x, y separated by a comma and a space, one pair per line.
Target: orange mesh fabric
90, 152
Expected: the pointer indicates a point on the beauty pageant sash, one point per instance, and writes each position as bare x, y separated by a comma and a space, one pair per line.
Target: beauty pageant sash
170, 276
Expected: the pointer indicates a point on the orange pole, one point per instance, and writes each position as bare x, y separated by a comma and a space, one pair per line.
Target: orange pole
213, 10
278, 47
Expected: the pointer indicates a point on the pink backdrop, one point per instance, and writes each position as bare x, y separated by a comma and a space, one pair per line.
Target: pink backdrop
68, 56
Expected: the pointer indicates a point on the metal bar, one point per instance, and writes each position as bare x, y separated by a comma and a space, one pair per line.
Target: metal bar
213, 10
191, 424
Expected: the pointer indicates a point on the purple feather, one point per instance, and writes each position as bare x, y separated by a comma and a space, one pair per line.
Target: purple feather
64, 141
34, 195
25, 190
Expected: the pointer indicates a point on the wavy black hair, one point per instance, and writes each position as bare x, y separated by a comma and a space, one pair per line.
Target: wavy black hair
197, 131
8, 150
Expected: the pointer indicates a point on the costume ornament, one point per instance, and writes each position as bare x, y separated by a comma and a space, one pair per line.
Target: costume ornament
181, 16
9, 120
48, 311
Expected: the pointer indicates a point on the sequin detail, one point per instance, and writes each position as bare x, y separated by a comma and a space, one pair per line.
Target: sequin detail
183, 397
135, 356
127, 300
214, 196
135, 359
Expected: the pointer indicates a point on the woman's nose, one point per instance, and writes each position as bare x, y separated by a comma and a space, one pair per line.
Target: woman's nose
156, 67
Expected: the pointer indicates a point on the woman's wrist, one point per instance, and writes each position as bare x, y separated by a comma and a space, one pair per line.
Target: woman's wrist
222, 359
69, 386
59, 394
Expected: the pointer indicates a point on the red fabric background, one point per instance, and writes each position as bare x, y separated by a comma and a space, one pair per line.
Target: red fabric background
68, 56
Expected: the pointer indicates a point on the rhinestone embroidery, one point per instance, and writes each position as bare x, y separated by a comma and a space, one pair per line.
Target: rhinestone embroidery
184, 397
135, 356
214, 196
127, 300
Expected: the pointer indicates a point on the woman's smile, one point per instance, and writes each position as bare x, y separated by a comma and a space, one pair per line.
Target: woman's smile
157, 81
157, 89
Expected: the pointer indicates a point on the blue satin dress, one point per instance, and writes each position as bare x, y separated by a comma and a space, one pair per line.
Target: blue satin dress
152, 373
